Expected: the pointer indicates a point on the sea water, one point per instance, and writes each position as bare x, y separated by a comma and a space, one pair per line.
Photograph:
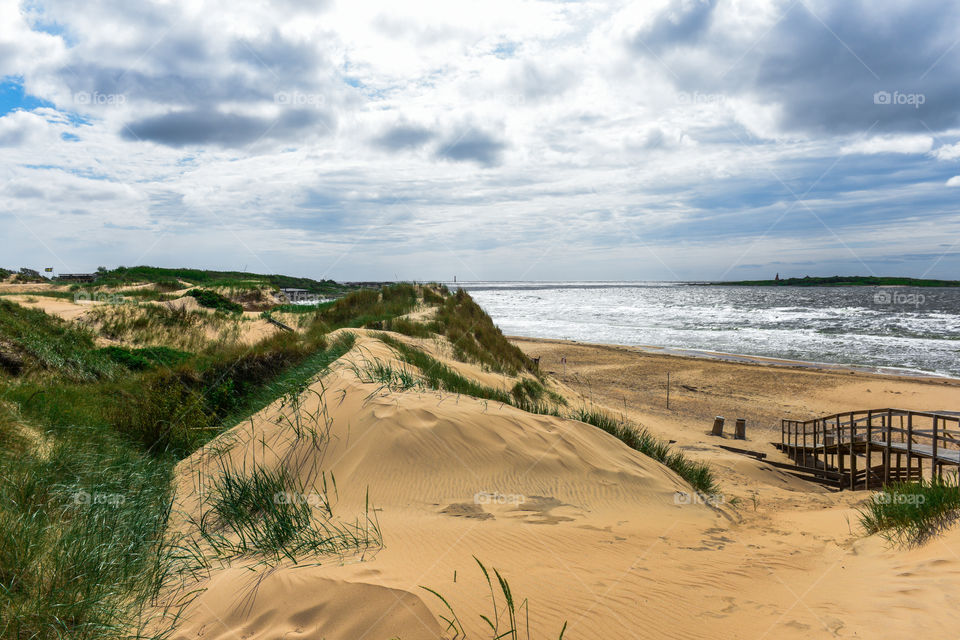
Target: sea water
908, 329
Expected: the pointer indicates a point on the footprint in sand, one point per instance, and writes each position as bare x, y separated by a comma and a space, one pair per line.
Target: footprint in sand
537, 510
466, 510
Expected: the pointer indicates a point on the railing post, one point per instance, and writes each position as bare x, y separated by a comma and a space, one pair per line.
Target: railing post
933, 467
853, 453
909, 444
886, 458
840, 465
804, 444
866, 480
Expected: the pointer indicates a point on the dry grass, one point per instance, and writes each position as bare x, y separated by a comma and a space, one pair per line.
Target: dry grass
158, 324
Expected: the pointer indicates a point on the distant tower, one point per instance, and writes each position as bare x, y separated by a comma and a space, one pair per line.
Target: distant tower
777, 278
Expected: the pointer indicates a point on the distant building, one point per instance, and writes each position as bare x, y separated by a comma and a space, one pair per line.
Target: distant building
77, 277
298, 295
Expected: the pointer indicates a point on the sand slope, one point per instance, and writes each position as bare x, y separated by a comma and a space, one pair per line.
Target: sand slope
590, 531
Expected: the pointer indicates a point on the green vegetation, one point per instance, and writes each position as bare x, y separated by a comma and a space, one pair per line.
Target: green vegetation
29, 275
408, 328
386, 375
370, 307
88, 440
81, 518
475, 337
437, 375
30, 340
844, 281
504, 620
911, 512
213, 300
211, 279
301, 308
697, 474
145, 358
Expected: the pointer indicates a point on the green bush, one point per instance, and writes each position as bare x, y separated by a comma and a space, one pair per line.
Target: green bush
146, 357
213, 300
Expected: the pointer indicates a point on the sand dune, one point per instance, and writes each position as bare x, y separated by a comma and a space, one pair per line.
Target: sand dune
590, 531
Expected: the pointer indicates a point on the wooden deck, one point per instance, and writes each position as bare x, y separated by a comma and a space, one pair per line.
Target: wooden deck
867, 449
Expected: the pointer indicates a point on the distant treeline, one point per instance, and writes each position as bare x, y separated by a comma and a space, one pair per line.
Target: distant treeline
844, 281
207, 278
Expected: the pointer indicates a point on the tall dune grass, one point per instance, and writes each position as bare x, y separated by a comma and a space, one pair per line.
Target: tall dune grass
909, 513
507, 619
698, 474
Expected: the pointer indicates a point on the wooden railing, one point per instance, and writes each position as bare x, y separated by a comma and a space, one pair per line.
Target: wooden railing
837, 444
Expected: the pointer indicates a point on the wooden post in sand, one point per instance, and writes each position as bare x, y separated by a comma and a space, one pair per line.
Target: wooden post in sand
718, 426
740, 429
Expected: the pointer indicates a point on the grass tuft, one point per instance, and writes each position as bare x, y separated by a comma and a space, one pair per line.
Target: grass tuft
909, 513
506, 620
698, 474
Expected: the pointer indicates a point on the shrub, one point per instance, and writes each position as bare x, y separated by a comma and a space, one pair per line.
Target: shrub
146, 357
213, 300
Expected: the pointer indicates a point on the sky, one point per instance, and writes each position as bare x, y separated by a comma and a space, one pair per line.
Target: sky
491, 140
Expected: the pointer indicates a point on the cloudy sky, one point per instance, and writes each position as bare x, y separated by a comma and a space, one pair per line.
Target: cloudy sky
660, 139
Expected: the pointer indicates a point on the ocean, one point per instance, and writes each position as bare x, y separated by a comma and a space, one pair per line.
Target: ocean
892, 329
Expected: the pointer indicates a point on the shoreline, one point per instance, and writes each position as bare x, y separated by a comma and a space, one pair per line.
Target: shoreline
762, 361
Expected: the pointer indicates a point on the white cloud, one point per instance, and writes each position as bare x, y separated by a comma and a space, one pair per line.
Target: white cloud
947, 152
423, 134
954, 181
891, 144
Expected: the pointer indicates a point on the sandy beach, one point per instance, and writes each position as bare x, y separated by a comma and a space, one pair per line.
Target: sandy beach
589, 531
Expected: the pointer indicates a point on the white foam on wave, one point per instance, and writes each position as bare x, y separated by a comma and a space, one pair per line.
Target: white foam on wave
830, 325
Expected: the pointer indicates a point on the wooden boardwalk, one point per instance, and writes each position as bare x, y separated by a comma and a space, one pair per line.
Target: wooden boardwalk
868, 449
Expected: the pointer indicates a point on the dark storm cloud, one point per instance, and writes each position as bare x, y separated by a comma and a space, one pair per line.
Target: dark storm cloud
829, 81
403, 136
166, 88
287, 60
831, 67
682, 21
472, 145
182, 128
